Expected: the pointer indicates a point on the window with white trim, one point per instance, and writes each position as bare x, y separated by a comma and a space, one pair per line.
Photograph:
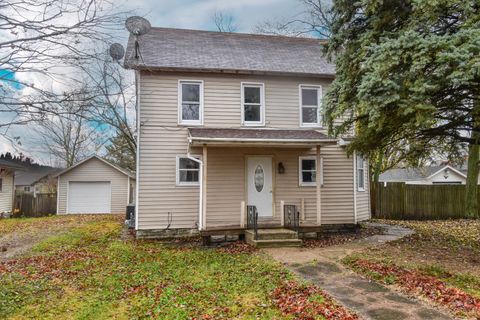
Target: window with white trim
188, 171
307, 173
310, 106
360, 172
190, 102
253, 106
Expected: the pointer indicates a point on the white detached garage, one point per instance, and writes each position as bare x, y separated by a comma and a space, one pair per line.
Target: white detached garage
94, 185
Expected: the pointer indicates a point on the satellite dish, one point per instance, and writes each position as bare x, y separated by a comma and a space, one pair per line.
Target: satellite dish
137, 26
116, 51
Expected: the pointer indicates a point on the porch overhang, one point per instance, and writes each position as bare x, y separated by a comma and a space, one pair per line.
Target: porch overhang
248, 137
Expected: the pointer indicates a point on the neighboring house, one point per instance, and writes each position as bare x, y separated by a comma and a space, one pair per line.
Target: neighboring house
94, 185
36, 179
443, 174
232, 120
7, 177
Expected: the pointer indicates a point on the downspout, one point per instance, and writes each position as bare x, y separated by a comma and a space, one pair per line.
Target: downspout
200, 179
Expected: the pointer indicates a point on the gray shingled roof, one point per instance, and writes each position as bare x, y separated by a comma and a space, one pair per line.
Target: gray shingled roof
33, 174
190, 50
411, 174
256, 134
10, 165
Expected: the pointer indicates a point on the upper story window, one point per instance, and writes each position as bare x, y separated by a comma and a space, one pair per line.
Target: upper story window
190, 102
253, 104
310, 106
360, 172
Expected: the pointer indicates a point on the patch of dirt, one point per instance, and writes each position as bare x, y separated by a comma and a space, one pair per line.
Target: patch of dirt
18, 236
326, 240
15, 244
413, 250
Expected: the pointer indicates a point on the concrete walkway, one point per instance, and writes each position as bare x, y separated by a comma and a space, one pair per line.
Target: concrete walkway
368, 299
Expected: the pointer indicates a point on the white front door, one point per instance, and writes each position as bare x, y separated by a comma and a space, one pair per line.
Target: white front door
259, 184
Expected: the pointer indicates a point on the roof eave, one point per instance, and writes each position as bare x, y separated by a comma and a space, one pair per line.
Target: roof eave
228, 71
200, 141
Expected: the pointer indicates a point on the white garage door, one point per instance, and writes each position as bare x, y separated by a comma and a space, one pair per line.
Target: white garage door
89, 197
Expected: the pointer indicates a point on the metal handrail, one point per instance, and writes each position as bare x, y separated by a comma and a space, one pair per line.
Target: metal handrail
291, 217
252, 220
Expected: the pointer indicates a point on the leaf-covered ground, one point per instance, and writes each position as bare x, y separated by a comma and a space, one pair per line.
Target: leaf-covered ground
87, 270
441, 263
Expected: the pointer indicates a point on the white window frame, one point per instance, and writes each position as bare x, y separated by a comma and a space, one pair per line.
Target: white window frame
362, 170
177, 172
198, 122
317, 176
260, 85
319, 106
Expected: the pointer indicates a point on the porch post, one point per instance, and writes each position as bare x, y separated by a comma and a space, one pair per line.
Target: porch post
319, 186
204, 187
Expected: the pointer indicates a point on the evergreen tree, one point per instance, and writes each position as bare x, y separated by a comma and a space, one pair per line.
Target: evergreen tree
408, 73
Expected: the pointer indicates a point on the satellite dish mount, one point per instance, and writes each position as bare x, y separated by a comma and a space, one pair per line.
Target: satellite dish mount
137, 26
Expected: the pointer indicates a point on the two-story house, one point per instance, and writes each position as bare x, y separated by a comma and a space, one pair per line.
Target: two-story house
229, 122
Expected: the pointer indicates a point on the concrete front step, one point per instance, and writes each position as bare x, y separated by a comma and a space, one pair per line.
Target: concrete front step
273, 234
277, 243
270, 238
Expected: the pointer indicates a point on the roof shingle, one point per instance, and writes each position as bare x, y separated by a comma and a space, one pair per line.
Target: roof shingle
190, 50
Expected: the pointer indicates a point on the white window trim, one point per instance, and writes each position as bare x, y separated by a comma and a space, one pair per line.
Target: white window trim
310, 184
190, 122
319, 122
260, 85
177, 172
360, 189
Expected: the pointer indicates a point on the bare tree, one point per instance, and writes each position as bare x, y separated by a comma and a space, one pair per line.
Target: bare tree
224, 22
69, 138
45, 40
114, 107
314, 20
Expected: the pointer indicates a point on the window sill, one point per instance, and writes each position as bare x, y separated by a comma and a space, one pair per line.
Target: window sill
316, 126
253, 124
361, 190
307, 184
189, 124
188, 185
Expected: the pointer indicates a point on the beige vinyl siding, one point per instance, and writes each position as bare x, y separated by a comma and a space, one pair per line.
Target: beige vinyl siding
222, 95
363, 198
226, 184
161, 140
95, 170
6, 195
158, 194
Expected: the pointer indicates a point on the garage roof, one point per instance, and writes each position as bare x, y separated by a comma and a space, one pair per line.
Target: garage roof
124, 171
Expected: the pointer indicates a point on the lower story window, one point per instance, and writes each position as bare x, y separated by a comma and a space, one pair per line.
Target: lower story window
188, 171
307, 171
360, 172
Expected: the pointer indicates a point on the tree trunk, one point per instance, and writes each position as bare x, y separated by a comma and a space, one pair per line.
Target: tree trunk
471, 194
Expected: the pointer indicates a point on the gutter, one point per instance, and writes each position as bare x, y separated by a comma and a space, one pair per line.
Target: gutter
200, 197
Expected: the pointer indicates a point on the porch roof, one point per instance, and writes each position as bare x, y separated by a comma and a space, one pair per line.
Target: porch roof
249, 136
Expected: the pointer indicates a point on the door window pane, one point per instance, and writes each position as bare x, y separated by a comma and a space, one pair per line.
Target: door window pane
259, 178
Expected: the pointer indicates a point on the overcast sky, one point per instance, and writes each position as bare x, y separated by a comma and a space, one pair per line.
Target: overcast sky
197, 14
190, 14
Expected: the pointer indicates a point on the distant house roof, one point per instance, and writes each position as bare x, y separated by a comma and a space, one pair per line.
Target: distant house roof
413, 174
278, 136
33, 174
168, 49
10, 165
124, 171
